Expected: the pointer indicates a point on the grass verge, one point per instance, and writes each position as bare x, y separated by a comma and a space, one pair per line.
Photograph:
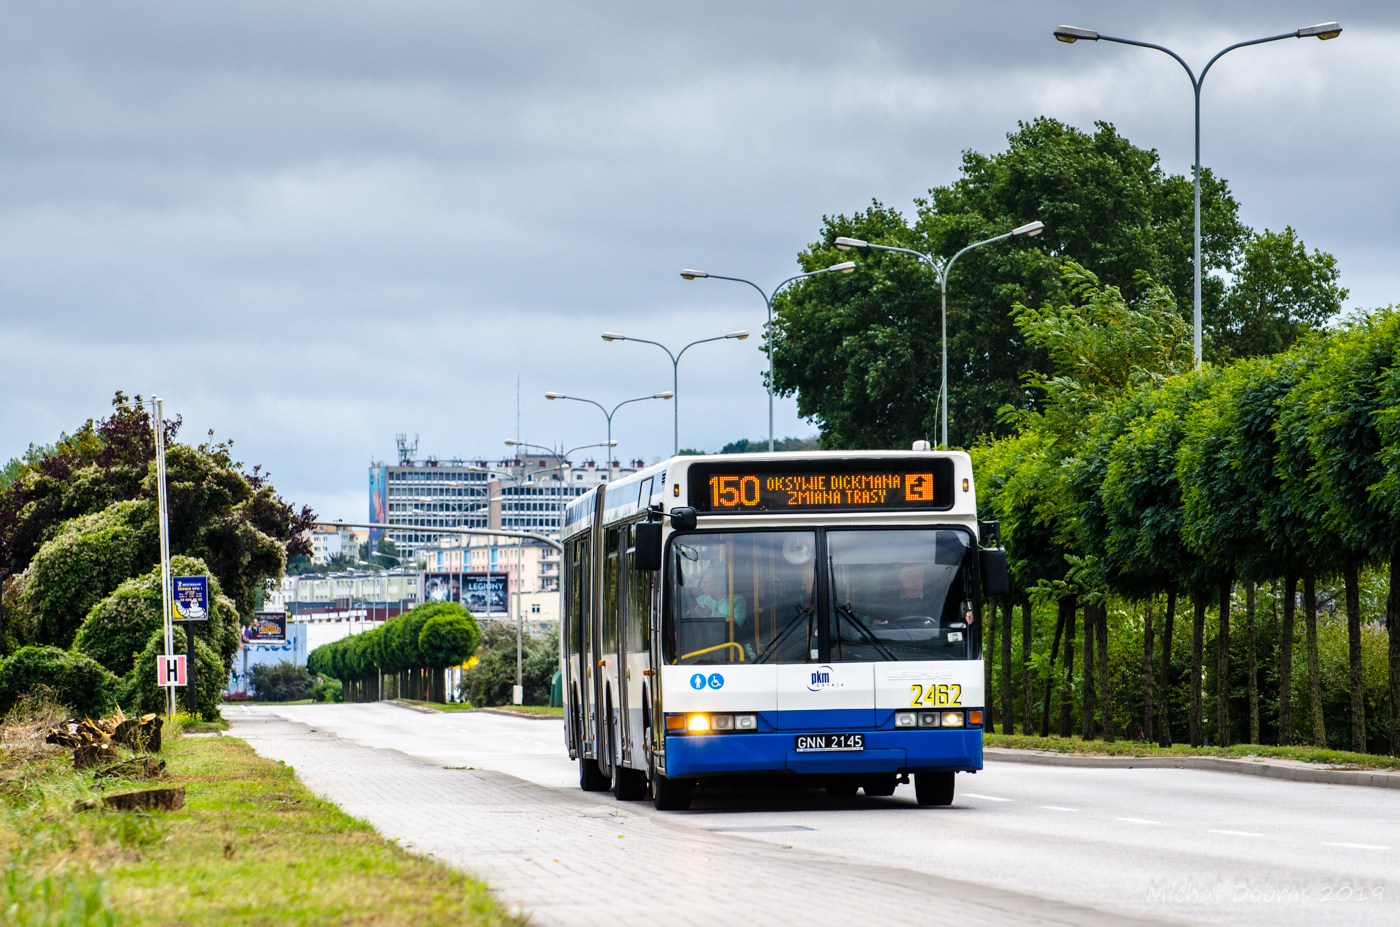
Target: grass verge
251, 846
1241, 751
531, 710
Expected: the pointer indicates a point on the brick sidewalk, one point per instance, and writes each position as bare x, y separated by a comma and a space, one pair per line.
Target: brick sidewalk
570, 858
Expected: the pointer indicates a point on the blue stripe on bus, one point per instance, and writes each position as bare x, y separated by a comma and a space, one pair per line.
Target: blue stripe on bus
885, 752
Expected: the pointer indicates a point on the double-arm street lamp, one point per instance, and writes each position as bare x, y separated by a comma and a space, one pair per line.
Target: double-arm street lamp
941, 271
1072, 34
842, 268
609, 415
676, 366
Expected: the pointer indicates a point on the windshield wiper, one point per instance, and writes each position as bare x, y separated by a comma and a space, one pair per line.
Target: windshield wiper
844, 611
772, 647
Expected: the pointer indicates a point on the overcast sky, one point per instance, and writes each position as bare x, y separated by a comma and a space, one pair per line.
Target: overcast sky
310, 226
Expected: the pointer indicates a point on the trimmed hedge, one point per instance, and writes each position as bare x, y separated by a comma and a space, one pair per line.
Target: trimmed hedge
78, 682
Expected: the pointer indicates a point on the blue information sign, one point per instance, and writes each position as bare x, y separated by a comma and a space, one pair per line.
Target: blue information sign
191, 596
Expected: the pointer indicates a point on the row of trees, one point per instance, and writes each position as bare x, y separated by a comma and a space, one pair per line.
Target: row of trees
1138, 479
413, 649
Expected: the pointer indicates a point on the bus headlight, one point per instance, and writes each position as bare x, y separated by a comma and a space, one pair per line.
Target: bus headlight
930, 719
906, 719
721, 722
746, 722
952, 719
697, 723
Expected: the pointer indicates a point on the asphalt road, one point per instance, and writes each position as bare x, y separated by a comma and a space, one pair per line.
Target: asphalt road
1182, 846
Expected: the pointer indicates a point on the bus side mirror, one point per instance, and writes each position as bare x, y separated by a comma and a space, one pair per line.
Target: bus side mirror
995, 578
683, 518
647, 554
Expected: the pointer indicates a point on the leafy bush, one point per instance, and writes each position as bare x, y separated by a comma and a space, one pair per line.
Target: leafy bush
281, 682
490, 680
326, 689
74, 680
118, 627
87, 558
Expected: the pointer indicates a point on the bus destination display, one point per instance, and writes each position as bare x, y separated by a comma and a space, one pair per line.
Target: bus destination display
926, 485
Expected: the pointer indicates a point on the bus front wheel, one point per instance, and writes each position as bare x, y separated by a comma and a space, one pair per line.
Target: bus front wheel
670, 795
934, 788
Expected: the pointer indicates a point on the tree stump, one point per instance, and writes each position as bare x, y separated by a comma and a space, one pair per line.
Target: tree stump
147, 800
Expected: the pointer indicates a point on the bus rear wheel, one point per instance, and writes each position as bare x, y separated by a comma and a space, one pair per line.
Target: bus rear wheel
590, 777
934, 789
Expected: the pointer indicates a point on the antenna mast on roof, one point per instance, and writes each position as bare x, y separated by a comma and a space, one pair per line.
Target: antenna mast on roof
407, 452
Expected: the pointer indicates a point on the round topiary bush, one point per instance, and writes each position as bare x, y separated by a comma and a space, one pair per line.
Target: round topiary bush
74, 680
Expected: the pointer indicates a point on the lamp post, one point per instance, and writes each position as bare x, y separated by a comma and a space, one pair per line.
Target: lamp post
520, 565
609, 415
675, 367
941, 272
1071, 34
843, 268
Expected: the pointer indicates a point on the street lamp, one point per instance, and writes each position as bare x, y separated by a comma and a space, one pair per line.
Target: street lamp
611, 443
941, 271
1071, 34
675, 367
843, 268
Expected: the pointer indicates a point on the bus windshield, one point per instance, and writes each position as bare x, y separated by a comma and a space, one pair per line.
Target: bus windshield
899, 595
746, 597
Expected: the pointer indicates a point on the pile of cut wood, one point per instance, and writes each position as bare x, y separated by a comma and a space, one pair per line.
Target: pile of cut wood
94, 742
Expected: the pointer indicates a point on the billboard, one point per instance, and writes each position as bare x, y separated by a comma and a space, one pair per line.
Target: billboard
190, 595
270, 627
479, 593
378, 504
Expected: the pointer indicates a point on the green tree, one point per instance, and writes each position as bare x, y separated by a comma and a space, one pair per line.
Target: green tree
1280, 292
1345, 396
861, 351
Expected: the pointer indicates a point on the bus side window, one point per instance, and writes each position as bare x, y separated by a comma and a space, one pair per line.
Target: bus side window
574, 616
612, 578
638, 629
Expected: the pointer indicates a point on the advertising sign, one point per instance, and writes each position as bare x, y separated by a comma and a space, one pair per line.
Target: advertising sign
269, 627
378, 504
170, 671
191, 597
478, 593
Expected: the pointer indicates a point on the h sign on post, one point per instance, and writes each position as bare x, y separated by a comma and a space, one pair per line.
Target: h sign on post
170, 671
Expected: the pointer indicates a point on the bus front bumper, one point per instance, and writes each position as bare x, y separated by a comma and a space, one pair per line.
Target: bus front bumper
885, 752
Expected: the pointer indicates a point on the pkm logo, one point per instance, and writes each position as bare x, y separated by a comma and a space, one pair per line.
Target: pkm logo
821, 679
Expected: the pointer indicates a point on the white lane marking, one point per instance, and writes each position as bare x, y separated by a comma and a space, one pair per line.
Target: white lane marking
1139, 821
1237, 833
1057, 808
1358, 846
986, 797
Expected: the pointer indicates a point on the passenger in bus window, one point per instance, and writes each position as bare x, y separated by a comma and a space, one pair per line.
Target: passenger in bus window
714, 597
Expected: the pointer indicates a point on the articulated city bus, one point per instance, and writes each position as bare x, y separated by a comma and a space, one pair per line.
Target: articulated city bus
809, 618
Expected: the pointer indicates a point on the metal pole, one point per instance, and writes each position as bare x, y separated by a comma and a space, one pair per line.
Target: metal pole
943, 285
158, 407
675, 398
1196, 250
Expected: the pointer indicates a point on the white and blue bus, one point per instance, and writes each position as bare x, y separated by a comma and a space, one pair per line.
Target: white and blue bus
806, 618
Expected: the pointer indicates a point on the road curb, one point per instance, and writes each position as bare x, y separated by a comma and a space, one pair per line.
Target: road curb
1291, 771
